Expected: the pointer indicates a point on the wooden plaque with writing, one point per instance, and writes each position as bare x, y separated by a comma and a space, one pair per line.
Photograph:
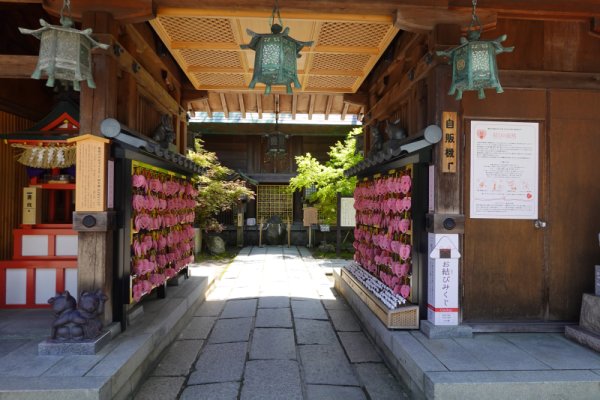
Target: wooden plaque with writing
92, 157
311, 216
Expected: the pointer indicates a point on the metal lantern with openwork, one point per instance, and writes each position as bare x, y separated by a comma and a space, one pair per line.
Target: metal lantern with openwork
65, 52
474, 61
276, 144
276, 56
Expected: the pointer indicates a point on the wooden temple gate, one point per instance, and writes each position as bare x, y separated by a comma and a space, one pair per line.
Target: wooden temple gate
531, 274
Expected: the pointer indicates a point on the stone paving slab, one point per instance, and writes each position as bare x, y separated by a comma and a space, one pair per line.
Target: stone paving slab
326, 364
309, 309
7, 346
380, 383
50, 388
497, 385
220, 363
554, 350
198, 328
450, 353
210, 308
497, 353
160, 388
327, 392
213, 391
273, 318
231, 330
344, 320
273, 343
25, 362
337, 304
274, 302
358, 348
179, 358
272, 379
73, 365
310, 331
239, 308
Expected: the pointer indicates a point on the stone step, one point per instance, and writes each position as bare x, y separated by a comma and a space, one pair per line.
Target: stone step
469, 368
115, 372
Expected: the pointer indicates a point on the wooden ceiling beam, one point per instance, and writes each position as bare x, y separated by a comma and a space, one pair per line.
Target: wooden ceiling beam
359, 99
259, 109
189, 94
129, 11
328, 107
311, 107
224, 105
534, 9
344, 111
17, 66
354, 10
294, 105
207, 107
242, 105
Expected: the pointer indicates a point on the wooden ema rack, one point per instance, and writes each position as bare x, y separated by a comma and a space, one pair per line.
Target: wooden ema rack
404, 317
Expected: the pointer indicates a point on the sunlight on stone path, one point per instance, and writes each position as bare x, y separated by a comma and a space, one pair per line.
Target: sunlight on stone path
272, 328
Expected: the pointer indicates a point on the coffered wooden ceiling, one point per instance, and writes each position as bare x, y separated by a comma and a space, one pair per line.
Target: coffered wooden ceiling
206, 44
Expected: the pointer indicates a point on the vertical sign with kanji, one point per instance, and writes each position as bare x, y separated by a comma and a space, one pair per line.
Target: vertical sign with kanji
442, 296
449, 138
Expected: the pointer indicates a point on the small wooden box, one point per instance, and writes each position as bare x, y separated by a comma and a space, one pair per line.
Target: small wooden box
404, 317
32, 205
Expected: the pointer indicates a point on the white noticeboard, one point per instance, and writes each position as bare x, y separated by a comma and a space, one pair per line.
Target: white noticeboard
347, 212
504, 170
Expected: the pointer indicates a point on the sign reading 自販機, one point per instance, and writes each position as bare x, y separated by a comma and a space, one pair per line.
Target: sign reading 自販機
504, 170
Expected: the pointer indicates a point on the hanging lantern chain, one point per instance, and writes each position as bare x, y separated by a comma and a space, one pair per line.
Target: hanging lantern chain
66, 21
275, 11
475, 22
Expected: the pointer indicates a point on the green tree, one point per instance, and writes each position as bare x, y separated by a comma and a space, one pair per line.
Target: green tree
328, 178
217, 192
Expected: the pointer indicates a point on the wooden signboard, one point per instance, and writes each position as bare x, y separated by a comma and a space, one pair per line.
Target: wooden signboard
347, 212
311, 216
449, 137
92, 157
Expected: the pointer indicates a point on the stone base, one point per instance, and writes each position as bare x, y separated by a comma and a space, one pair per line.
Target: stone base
583, 336
135, 313
85, 347
590, 313
588, 331
176, 280
445, 331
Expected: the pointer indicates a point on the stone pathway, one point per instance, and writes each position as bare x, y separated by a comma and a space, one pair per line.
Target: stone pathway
272, 328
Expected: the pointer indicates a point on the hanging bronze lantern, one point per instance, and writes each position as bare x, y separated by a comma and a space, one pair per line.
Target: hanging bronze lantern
276, 144
276, 139
65, 52
276, 55
474, 61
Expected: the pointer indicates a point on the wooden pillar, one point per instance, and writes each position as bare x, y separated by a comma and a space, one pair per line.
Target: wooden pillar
95, 248
447, 185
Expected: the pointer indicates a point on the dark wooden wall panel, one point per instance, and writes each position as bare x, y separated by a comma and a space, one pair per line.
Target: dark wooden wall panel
13, 178
247, 152
564, 46
573, 222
